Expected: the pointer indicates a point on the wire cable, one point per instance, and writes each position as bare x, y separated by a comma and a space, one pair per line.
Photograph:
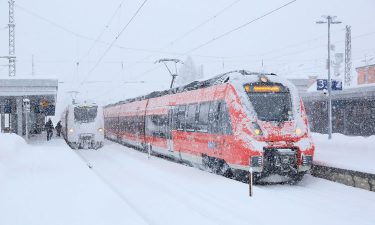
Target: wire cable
189, 32
113, 42
239, 27
103, 31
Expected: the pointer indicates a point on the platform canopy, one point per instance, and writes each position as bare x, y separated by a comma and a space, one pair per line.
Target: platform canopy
40, 96
28, 87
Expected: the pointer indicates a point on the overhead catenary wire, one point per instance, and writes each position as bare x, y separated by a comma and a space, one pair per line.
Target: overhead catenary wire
115, 39
239, 27
181, 37
204, 22
103, 31
231, 31
82, 36
220, 12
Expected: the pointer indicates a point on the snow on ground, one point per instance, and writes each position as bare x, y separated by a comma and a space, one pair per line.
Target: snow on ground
171, 193
346, 152
50, 184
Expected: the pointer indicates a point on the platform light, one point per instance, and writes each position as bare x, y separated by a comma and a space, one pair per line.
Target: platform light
71, 130
100, 129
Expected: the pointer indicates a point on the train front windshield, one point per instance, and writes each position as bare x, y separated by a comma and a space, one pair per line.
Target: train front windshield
270, 102
85, 114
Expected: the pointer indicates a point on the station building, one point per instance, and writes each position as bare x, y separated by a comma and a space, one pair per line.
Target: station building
31, 98
366, 74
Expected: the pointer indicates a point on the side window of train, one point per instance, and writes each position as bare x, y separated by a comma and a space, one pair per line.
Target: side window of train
148, 125
190, 117
218, 118
121, 123
181, 117
163, 123
213, 117
203, 117
224, 119
174, 118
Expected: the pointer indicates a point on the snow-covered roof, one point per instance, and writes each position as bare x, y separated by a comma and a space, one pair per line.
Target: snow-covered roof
360, 91
25, 87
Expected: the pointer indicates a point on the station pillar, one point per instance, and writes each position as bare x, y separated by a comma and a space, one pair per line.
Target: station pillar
2, 122
19, 115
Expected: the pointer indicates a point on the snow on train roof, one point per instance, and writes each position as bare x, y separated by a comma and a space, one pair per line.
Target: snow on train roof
232, 76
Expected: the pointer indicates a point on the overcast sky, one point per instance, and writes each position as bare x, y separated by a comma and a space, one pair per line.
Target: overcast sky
289, 42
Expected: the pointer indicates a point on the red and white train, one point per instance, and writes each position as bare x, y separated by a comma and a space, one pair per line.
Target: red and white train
231, 123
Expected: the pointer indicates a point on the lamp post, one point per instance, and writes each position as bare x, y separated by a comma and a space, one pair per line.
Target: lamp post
330, 20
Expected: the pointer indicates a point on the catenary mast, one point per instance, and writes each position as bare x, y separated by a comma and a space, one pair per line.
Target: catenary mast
12, 41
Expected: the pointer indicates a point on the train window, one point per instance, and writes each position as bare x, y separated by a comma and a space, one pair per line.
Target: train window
174, 118
150, 126
213, 117
85, 114
224, 119
181, 117
203, 117
163, 124
272, 106
142, 125
218, 118
190, 117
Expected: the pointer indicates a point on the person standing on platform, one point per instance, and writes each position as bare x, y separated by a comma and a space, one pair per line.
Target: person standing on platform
49, 128
58, 129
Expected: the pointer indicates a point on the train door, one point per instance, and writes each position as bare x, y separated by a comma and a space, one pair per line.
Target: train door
169, 128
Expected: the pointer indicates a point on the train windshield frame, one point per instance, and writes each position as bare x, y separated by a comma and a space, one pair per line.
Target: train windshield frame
85, 114
272, 105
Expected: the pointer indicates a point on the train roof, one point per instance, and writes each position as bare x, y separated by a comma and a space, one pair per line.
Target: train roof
219, 79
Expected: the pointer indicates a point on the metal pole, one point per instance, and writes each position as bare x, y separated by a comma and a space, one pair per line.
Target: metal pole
329, 81
12, 40
27, 124
251, 182
149, 150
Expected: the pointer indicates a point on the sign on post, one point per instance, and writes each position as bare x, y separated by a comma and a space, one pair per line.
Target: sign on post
322, 84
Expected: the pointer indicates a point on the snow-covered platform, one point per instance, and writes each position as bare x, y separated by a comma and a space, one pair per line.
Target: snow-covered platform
345, 152
49, 184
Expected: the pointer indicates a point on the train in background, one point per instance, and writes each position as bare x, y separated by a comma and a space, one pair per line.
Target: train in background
231, 123
83, 126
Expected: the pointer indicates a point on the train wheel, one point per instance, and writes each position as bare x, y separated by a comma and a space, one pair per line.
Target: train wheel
215, 165
73, 145
297, 178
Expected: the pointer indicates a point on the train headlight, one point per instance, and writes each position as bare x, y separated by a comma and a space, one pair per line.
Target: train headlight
298, 131
256, 129
100, 129
71, 130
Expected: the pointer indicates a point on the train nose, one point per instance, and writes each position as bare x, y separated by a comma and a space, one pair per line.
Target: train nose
278, 130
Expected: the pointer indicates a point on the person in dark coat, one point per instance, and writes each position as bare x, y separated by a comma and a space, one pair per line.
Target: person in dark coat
58, 129
49, 128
